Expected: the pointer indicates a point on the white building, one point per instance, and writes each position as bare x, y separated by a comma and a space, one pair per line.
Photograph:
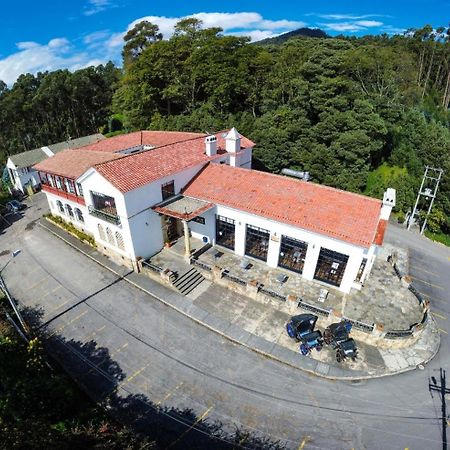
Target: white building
135, 192
20, 165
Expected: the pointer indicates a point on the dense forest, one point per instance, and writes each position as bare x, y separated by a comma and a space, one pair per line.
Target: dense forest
359, 114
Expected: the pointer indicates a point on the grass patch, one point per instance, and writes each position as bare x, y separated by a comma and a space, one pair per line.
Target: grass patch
81, 235
438, 237
383, 175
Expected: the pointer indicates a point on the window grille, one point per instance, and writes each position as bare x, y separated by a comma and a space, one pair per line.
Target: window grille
257, 242
330, 267
101, 232
225, 232
119, 240
292, 254
110, 236
361, 270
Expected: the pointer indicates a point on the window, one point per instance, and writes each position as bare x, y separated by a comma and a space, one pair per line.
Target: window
225, 230
292, 254
58, 182
79, 214
361, 270
80, 189
43, 177
69, 210
110, 236
101, 232
257, 242
60, 207
51, 180
330, 267
168, 190
70, 186
119, 240
104, 203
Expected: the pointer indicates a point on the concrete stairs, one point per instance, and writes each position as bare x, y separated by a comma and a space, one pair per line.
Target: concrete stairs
187, 282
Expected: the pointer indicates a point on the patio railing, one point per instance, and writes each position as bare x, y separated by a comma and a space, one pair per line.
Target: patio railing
360, 325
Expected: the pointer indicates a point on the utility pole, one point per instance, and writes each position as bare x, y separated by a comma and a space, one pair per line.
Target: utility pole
442, 390
428, 189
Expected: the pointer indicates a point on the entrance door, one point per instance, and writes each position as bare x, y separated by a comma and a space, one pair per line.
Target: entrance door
172, 229
330, 267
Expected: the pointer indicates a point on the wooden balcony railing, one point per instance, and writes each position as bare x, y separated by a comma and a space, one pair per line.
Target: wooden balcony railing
63, 194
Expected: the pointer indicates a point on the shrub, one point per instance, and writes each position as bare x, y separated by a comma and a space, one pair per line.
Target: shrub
81, 235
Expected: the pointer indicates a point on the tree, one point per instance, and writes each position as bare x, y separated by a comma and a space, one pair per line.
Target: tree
140, 37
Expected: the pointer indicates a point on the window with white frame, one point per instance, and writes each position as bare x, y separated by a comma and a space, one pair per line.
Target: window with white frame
69, 210
119, 240
80, 189
79, 215
110, 236
60, 207
101, 232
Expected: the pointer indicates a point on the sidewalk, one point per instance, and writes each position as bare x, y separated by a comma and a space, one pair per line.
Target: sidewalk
260, 327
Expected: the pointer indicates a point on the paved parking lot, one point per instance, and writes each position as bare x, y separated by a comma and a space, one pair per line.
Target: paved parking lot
118, 339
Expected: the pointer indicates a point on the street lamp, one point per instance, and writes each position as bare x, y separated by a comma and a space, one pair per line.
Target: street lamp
13, 255
5, 290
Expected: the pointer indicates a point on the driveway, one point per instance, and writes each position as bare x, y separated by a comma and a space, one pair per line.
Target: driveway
114, 338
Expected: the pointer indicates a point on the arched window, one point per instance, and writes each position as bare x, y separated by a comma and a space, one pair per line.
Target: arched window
110, 236
101, 232
69, 210
119, 240
60, 206
79, 214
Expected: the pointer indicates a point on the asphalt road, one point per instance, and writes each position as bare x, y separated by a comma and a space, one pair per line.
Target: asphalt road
114, 338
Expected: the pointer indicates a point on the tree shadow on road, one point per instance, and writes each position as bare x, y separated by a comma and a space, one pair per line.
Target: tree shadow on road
95, 371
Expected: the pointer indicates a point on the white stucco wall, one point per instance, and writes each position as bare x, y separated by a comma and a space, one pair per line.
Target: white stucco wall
315, 241
21, 178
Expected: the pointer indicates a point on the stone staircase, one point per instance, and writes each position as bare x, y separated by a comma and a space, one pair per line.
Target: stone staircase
187, 282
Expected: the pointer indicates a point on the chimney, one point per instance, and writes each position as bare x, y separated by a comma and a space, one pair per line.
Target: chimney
233, 141
211, 145
388, 203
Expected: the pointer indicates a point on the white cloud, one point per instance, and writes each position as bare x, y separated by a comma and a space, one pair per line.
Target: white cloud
243, 23
347, 16
368, 23
34, 57
103, 45
96, 6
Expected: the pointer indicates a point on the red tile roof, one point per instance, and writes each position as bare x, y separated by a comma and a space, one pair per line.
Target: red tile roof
73, 163
153, 138
381, 229
339, 214
133, 171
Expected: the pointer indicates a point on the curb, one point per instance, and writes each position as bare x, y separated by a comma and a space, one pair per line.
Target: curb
231, 339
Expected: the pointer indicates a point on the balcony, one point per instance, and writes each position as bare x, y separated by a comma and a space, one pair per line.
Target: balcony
103, 215
63, 194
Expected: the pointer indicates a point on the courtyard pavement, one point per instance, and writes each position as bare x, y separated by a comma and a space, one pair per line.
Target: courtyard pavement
261, 327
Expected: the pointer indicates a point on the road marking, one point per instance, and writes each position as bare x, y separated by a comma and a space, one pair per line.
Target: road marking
51, 292
36, 284
438, 315
133, 376
427, 282
424, 270
90, 336
306, 439
429, 297
58, 307
68, 323
118, 350
169, 394
442, 331
202, 417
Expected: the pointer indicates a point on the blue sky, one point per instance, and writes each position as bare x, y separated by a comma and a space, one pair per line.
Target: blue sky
51, 34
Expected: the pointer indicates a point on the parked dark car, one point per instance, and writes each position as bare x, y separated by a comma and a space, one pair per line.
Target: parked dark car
301, 325
336, 333
346, 349
15, 206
